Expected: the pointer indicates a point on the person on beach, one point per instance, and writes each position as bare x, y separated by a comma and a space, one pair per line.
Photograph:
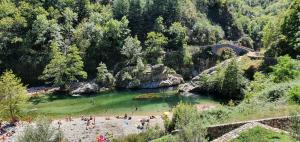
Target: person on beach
87, 124
59, 124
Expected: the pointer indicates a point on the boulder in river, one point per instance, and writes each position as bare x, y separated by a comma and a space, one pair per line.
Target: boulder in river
85, 88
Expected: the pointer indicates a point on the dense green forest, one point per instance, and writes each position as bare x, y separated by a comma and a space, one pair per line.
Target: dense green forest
61, 41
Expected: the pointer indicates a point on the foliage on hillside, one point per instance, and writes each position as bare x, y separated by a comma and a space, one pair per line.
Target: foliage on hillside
101, 31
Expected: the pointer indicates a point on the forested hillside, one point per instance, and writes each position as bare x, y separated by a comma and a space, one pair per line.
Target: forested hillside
66, 40
149, 70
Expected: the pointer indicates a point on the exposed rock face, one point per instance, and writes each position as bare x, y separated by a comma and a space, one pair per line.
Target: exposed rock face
186, 87
193, 85
151, 77
85, 88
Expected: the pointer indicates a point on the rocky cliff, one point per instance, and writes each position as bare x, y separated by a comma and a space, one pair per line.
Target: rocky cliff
155, 76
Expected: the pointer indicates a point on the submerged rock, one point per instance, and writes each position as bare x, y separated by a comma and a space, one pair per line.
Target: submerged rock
150, 77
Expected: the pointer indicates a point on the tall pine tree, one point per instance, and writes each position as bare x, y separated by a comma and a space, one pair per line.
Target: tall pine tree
64, 69
135, 17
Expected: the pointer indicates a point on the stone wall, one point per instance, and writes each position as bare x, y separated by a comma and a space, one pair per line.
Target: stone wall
216, 131
219, 130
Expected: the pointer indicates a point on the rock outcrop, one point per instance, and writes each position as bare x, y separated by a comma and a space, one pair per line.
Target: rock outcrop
85, 88
194, 86
150, 77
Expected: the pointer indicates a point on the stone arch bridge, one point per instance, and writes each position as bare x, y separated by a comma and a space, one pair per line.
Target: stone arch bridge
238, 49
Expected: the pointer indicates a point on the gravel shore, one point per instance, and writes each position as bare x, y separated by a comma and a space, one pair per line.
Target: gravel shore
77, 130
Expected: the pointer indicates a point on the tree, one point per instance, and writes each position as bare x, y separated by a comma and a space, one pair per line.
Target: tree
291, 29
259, 83
177, 35
104, 78
54, 71
40, 27
41, 132
227, 53
159, 25
64, 69
285, 69
220, 11
168, 9
120, 8
69, 18
132, 50
74, 65
270, 33
246, 41
234, 82
101, 40
206, 34
12, 94
135, 17
154, 51
82, 8
294, 95
186, 119
140, 65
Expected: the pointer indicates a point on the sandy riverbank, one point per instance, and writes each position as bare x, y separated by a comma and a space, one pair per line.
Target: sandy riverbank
75, 130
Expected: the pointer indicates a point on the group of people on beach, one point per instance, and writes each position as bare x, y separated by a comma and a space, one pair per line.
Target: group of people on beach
90, 122
7, 130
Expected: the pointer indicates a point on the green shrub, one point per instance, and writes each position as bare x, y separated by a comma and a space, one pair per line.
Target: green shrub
150, 134
246, 41
225, 83
259, 134
259, 83
215, 115
227, 53
276, 94
167, 138
233, 82
294, 94
186, 119
286, 69
104, 78
40, 132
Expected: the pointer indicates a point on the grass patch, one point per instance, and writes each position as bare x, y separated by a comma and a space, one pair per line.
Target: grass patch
259, 134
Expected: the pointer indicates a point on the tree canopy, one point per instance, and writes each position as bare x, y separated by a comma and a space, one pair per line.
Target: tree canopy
12, 94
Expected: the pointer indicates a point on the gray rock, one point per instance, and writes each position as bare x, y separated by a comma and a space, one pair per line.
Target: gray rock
193, 86
83, 88
155, 76
186, 87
